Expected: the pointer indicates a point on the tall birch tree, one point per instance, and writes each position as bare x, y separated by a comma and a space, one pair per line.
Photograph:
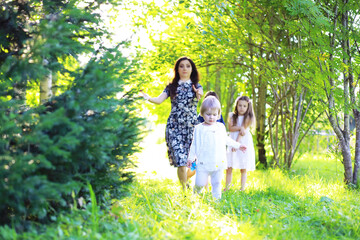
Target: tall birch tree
333, 27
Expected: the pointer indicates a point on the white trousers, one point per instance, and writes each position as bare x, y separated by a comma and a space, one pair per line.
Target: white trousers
201, 179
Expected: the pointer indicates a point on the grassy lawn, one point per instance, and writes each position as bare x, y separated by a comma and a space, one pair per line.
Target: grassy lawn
308, 202
301, 204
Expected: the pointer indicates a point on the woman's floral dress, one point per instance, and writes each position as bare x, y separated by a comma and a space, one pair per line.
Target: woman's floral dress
181, 122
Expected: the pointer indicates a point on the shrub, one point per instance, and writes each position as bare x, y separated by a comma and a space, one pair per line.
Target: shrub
85, 135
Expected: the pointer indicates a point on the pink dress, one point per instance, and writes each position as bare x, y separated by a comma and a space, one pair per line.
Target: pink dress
239, 159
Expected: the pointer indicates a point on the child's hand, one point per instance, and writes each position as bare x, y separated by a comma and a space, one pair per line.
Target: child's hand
188, 164
242, 148
233, 149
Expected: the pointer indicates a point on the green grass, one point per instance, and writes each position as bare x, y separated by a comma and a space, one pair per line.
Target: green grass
275, 205
309, 202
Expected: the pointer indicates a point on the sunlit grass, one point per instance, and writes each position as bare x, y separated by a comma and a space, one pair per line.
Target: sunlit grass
276, 205
163, 211
308, 202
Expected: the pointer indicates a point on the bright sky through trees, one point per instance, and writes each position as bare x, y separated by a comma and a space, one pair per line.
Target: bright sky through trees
120, 22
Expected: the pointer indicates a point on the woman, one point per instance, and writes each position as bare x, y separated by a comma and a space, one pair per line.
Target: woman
184, 92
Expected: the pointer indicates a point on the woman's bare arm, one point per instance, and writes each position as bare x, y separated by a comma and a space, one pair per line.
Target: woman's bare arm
157, 100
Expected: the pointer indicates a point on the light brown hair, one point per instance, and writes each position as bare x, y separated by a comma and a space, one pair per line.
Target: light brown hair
249, 115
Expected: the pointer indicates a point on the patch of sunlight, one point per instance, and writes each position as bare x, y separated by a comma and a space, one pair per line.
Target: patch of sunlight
309, 185
167, 214
277, 179
255, 182
153, 161
315, 186
204, 214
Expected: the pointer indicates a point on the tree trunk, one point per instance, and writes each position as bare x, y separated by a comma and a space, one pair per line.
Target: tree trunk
352, 93
45, 87
260, 122
273, 123
207, 78
346, 154
218, 83
229, 102
274, 135
357, 146
259, 103
345, 143
283, 116
230, 93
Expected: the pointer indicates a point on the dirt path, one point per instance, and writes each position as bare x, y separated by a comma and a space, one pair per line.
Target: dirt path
153, 161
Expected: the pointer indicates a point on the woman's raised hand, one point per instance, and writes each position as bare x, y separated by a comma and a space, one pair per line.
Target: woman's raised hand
144, 95
199, 92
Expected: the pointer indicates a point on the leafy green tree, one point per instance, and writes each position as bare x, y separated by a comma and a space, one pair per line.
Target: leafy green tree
231, 39
333, 28
269, 49
259, 41
182, 33
85, 134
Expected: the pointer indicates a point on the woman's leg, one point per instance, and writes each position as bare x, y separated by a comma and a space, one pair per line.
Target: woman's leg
228, 178
243, 179
181, 171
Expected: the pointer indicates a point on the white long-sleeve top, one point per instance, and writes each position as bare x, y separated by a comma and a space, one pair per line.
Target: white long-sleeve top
209, 146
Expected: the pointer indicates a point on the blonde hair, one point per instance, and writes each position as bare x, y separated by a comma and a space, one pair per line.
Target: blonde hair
210, 102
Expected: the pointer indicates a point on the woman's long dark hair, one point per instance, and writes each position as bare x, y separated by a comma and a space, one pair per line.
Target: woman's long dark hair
175, 82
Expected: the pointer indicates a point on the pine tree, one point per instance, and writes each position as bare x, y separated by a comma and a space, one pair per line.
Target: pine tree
83, 134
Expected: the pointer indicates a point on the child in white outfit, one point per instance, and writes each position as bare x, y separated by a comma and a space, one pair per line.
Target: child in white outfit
239, 126
209, 147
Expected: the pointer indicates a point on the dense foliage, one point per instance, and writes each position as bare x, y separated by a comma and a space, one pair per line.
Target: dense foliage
83, 135
297, 60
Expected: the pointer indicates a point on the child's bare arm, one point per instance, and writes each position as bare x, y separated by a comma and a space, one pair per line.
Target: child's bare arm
238, 140
232, 126
242, 131
235, 145
241, 134
238, 137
